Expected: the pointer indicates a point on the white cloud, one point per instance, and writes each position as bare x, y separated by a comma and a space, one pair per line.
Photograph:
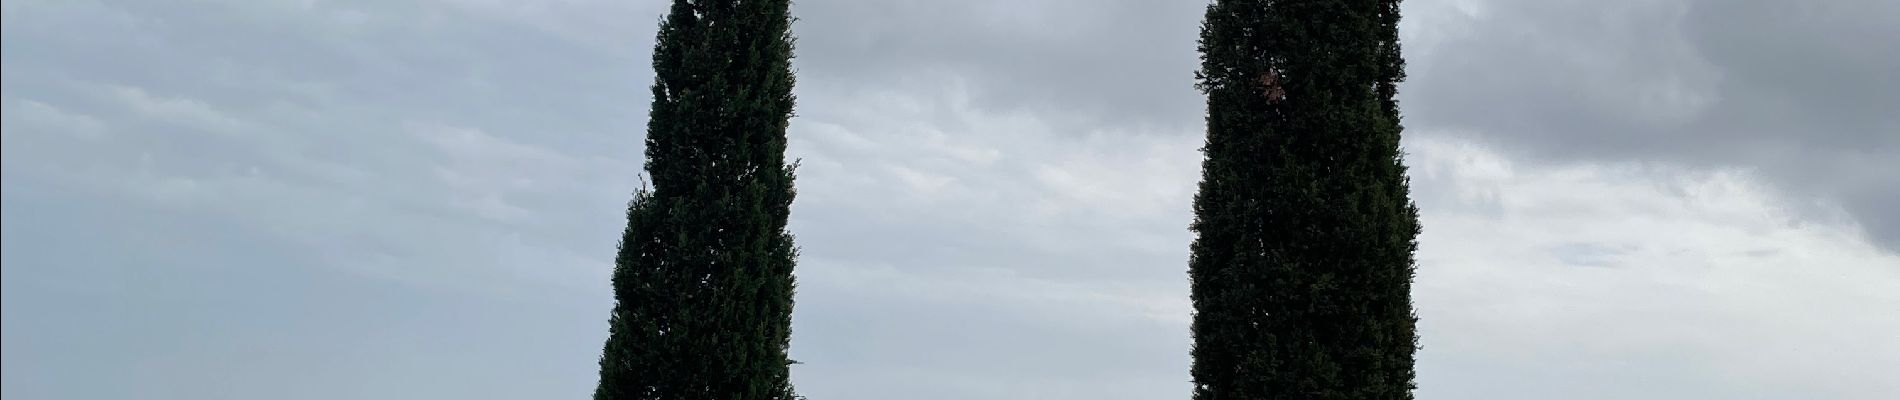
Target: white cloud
179, 110
42, 118
1703, 280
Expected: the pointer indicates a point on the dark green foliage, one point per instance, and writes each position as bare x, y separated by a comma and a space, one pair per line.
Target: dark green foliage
1302, 268
703, 280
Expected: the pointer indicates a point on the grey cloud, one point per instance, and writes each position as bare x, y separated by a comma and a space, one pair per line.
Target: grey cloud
1794, 91
1002, 202
333, 101
275, 198
945, 256
1798, 92
361, 199
477, 151
1116, 65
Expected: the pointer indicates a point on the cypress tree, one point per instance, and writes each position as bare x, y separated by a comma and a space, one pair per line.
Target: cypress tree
1302, 265
703, 279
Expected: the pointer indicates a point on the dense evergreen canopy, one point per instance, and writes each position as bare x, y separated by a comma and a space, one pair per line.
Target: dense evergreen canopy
703, 280
1302, 265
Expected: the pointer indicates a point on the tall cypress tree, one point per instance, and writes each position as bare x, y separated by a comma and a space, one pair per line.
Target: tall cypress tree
1302, 265
703, 279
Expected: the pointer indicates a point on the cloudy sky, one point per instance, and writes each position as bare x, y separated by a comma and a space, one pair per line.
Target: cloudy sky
419, 199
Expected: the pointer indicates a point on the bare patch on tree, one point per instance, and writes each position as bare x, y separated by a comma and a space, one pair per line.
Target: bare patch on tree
1270, 86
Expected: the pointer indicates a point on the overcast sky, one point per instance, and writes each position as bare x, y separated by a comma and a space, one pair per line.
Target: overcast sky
241, 199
